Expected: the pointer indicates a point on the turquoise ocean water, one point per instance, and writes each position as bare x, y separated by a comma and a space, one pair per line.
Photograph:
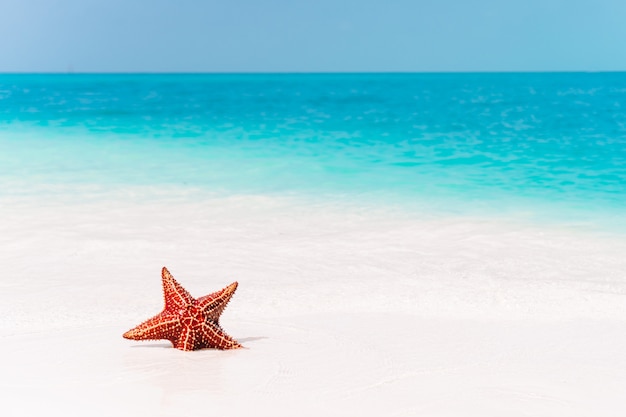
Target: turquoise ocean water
549, 147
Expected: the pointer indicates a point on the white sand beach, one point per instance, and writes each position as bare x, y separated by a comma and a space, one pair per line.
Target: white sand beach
342, 311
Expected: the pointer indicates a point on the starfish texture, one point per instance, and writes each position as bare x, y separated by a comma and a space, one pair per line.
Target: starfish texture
188, 323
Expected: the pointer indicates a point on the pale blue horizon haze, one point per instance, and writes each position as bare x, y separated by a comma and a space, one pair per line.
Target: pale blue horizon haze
320, 36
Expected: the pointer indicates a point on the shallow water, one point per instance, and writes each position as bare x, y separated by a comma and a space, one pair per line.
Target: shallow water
545, 147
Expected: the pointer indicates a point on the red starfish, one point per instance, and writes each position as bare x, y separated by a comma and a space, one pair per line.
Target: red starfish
188, 323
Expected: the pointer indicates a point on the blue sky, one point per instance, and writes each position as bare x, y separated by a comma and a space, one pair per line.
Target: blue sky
312, 35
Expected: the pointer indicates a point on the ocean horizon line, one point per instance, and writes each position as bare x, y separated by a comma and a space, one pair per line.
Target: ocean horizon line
490, 72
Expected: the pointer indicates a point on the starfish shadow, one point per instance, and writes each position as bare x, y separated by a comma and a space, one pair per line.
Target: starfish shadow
169, 345
155, 345
252, 339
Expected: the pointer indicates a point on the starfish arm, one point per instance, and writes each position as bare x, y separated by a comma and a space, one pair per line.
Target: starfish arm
162, 326
212, 336
176, 297
213, 305
186, 340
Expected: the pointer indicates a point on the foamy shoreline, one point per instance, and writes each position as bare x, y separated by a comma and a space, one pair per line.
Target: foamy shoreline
342, 311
